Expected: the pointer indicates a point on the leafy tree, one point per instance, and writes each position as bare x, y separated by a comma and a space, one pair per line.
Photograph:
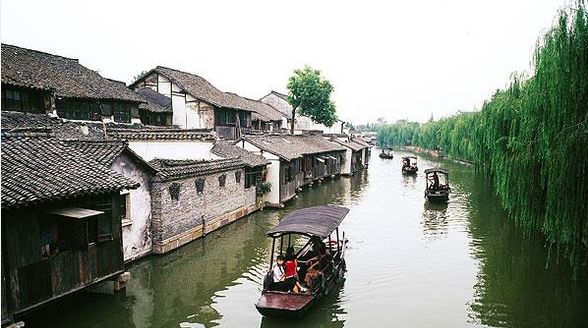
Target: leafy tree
310, 94
140, 75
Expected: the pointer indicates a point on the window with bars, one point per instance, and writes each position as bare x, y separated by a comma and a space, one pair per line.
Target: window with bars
238, 176
199, 185
174, 191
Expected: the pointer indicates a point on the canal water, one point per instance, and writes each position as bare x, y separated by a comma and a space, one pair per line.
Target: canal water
410, 264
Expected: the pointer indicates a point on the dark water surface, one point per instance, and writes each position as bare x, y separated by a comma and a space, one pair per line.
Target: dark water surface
411, 264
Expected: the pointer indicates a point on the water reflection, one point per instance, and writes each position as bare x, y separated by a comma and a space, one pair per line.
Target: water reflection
183, 284
435, 218
516, 285
411, 264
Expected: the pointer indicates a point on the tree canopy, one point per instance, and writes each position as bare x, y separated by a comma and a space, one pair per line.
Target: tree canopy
310, 94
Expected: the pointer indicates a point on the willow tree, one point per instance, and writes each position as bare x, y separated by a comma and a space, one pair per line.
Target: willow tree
310, 95
533, 138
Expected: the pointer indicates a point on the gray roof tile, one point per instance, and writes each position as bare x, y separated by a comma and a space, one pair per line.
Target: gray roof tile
41, 169
228, 149
290, 147
180, 169
200, 88
64, 76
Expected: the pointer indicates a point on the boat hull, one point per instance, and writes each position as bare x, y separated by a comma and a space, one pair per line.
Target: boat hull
410, 170
294, 305
437, 195
284, 305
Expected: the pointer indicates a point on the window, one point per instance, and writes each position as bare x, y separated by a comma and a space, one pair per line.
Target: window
75, 109
73, 228
22, 101
222, 180
174, 191
121, 113
124, 204
238, 176
288, 177
252, 177
199, 185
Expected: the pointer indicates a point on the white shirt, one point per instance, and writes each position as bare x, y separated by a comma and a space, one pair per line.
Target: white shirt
278, 272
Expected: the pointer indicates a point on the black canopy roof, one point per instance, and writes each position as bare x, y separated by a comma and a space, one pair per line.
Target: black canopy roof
317, 221
437, 169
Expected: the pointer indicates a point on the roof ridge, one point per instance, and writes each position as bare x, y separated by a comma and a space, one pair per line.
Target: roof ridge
41, 52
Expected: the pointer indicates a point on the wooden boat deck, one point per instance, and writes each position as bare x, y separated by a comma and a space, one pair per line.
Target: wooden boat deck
284, 304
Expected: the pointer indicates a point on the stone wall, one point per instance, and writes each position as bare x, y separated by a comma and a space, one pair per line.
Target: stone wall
191, 214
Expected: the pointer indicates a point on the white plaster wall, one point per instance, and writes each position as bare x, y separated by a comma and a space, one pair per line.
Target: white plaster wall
273, 171
188, 149
347, 164
136, 235
193, 119
180, 112
273, 176
164, 85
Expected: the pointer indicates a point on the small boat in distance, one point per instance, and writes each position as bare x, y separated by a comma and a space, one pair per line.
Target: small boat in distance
409, 165
387, 153
319, 225
437, 188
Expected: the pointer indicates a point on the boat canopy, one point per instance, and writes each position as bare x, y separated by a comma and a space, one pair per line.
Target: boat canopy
437, 169
409, 157
317, 221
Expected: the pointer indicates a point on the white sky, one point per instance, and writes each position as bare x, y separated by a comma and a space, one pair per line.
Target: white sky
389, 59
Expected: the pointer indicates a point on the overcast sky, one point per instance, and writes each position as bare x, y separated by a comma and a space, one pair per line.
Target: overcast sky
389, 59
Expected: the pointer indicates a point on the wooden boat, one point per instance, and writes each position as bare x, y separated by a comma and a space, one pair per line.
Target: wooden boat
386, 153
437, 188
317, 223
409, 165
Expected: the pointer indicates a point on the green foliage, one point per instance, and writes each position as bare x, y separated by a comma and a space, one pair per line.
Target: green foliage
264, 187
531, 139
310, 94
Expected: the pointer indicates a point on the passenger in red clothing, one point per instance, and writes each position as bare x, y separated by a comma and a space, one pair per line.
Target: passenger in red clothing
291, 266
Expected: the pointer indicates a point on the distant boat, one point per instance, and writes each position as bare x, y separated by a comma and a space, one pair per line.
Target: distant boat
386, 153
409, 165
437, 188
319, 224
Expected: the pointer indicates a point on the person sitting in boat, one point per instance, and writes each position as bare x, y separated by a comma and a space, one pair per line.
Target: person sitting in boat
316, 271
291, 268
279, 280
435, 179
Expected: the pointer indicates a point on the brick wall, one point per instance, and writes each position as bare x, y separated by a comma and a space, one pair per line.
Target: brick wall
177, 222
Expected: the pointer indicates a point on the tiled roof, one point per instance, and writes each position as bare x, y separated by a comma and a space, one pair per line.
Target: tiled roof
156, 102
318, 144
180, 169
106, 151
36, 170
157, 133
77, 130
103, 151
60, 128
349, 144
278, 101
267, 112
64, 76
227, 149
199, 88
290, 147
